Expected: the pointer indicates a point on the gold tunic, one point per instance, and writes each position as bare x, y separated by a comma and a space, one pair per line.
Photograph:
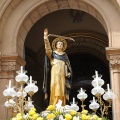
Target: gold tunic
57, 87
57, 84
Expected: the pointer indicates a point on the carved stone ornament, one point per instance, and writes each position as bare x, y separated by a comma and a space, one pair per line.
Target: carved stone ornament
115, 62
10, 64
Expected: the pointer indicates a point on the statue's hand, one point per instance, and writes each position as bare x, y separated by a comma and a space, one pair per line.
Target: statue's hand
46, 33
68, 75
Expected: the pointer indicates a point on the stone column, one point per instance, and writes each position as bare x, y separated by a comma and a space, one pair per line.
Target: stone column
9, 64
113, 55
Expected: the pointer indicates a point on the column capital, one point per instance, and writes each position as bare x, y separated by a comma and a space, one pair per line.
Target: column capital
9, 64
113, 55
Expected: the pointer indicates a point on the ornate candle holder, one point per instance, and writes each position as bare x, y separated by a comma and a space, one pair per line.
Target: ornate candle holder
98, 92
17, 100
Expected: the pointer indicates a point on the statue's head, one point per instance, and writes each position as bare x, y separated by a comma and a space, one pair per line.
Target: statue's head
59, 43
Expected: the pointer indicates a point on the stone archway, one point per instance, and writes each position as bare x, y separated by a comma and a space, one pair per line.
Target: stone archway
18, 17
24, 20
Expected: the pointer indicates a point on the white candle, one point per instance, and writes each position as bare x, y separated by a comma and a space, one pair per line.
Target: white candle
66, 70
30, 79
93, 99
9, 83
108, 87
21, 69
73, 100
81, 90
96, 73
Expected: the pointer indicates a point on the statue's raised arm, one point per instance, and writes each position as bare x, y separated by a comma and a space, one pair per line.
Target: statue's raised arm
47, 44
46, 34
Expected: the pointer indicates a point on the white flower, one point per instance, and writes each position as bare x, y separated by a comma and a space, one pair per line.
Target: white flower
45, 113
14, 118
59, 106
61, 117
76, 118
25, 116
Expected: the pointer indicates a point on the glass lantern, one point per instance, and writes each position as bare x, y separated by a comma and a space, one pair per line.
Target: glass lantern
31, 88
74, 105
21, 78
82, 95
10, 103
97, 91
94, 105
9, 92
109, 95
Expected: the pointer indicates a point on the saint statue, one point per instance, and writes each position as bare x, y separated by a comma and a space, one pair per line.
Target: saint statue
57, 72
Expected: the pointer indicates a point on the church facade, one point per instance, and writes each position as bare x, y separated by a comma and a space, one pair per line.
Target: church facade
17, 17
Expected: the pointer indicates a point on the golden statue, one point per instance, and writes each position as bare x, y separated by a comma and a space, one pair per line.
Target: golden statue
58, 72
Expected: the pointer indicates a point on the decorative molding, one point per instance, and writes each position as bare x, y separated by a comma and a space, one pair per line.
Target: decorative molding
113, 55
115, 62
88, 43
9, 64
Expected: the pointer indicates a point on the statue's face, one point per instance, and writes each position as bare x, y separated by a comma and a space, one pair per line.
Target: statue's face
59, 45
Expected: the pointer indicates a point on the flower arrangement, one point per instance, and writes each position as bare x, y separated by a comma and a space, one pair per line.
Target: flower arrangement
57, 113
66, 113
